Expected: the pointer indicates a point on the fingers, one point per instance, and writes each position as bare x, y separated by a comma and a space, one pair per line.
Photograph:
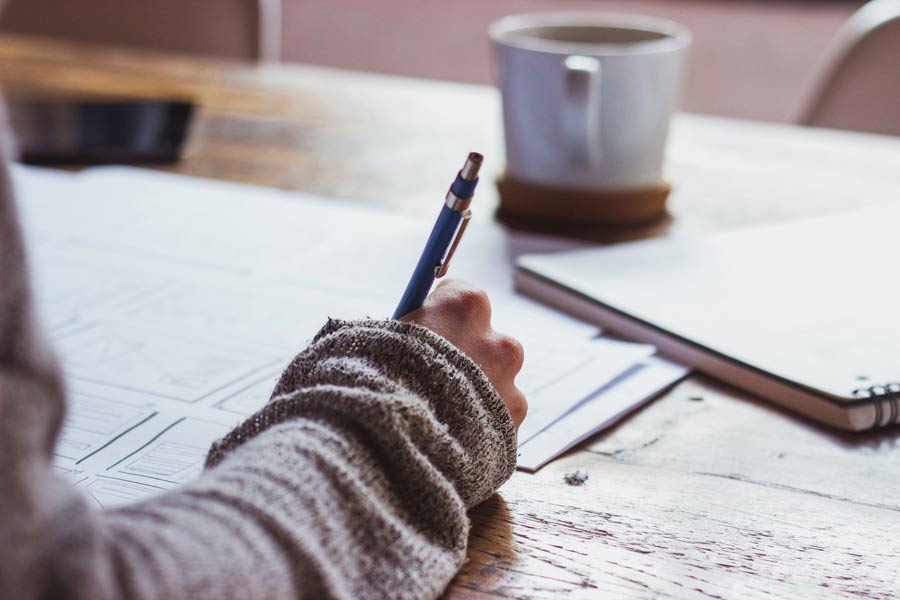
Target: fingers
509, 353
516, 404
461, 313
504, 360
500, 356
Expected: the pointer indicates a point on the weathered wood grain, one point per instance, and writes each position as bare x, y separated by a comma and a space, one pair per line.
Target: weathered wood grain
645, 531
707, 493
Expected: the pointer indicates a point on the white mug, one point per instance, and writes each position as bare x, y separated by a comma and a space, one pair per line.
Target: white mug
587, 97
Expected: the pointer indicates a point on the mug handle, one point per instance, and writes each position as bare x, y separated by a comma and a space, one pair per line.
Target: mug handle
581, 109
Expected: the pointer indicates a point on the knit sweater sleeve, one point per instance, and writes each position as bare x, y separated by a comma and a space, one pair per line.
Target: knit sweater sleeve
353, 482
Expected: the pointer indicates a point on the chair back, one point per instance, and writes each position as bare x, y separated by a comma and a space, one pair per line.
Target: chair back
241, 29
857, 83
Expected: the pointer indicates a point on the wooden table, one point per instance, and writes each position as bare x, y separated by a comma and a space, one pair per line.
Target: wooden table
707, 493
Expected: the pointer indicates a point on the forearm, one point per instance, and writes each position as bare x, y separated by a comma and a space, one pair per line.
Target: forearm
330, 525
352, 483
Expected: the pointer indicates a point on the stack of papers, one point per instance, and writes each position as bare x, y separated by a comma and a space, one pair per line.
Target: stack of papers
174, 304
617, 398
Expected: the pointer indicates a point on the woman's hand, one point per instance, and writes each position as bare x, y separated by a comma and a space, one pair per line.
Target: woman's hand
462, 314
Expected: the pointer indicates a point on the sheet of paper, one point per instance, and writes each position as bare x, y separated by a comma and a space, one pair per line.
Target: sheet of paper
601, 410
122, 445
555, 379
174, 304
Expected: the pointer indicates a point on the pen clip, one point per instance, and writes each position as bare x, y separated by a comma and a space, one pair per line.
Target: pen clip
441, 269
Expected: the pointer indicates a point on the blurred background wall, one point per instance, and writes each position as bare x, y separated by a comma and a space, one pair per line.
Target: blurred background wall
751, 58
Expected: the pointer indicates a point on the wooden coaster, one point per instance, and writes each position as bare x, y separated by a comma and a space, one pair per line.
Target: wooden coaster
524, 202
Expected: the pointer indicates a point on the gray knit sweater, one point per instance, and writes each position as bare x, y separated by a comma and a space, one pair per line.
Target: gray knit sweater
352, 483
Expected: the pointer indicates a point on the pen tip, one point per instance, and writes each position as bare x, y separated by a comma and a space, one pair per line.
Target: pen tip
472, 166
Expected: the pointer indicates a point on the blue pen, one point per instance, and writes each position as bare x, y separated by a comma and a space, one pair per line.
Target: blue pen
444, 238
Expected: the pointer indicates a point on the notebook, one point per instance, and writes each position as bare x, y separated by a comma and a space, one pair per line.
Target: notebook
804, 314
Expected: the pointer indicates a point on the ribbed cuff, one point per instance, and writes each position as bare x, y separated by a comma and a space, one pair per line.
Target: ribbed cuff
423, 361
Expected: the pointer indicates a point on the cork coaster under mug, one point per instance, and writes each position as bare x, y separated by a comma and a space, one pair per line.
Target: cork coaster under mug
524, 202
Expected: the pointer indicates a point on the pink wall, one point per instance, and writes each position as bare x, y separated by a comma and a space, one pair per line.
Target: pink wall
750, 60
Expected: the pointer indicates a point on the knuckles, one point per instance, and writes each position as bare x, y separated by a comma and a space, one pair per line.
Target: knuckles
517, 407
466, 315
469, 304
509, 353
